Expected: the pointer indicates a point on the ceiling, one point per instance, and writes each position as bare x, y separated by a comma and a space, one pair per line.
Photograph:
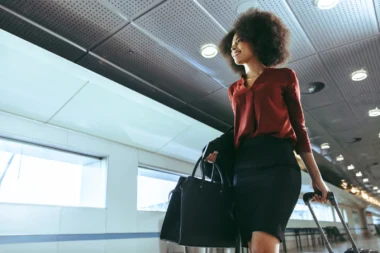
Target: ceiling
153, 48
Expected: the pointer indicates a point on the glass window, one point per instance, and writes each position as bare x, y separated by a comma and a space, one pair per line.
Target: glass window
302, 212
153, 190
344, 214
31, 174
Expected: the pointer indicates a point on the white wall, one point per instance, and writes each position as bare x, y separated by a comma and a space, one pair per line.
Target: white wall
120, 216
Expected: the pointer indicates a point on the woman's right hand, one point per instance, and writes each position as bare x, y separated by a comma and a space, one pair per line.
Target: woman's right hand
211, 158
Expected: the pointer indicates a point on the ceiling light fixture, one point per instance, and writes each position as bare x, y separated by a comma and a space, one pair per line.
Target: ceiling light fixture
326, 4
326, 145
313, 87
375, 188
374, 112
365, 180
350, 167
359, 75
340, 158
378, 191
209, 51
359, 174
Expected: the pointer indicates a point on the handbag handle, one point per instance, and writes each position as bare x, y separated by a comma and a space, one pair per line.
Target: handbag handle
204, 175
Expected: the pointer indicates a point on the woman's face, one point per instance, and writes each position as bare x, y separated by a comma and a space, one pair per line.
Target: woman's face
241, 51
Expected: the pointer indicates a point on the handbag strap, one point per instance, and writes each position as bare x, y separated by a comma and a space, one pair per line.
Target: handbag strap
203, 173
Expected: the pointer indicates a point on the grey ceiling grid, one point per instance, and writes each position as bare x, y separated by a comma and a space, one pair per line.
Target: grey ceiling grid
377, 9
137, 53
225, 12
158, 55
81, 21
132, 9
341, 62
319, 135
345, 137
217, 104
184, 27
311, 70
335, 118
349, 21
37, 36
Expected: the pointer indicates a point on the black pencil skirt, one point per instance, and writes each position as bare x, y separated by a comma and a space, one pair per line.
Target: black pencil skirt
267, 184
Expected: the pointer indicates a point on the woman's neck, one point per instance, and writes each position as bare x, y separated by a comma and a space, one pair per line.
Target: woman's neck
253, 69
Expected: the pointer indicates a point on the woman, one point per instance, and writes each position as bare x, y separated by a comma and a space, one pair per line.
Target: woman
269, 125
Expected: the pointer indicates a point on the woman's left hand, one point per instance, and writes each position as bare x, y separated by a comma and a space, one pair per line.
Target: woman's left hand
320, 186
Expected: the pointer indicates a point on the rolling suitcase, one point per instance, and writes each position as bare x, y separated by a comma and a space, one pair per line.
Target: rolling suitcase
307, 197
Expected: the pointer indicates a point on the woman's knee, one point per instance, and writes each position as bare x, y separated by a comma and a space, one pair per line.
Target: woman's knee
262, 242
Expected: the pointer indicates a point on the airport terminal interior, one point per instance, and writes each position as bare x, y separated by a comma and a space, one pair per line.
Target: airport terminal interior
106, 104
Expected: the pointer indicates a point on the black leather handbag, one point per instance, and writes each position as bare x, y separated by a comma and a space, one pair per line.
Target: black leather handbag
200, 213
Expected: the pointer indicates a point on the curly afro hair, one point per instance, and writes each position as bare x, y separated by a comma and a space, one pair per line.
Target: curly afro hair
266, 33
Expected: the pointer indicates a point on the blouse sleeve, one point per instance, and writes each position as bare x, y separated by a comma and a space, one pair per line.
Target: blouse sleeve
293, 100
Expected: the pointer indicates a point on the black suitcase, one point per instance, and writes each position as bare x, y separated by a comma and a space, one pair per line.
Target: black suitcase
307, 197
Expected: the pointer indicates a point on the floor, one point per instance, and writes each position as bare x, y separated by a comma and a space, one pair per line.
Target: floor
366, 243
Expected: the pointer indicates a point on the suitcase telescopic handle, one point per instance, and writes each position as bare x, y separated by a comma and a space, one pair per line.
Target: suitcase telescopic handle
331, 197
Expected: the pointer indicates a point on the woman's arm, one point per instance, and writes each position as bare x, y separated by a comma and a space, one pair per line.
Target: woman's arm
318, 183
293, 100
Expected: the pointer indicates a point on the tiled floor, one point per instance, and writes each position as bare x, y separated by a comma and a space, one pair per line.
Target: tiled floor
366, 243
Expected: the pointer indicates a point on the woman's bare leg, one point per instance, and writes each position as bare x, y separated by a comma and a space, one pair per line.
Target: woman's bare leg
262, 242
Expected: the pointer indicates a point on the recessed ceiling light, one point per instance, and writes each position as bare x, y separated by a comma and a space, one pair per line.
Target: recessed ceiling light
340, 158
365, 180
326, 145
209, 51
359, 174
350, 167
359, 75
374, 112
326, 4
375, 188
378, 191
379, 135
313, 87
243, 6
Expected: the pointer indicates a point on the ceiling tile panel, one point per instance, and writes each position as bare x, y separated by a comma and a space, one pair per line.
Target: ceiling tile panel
210, 120
377, 8
341, 62
37, 36
218, 105
310, 70
188, 145
347, 138
92, 63
35, 89
335, 118
80, 21
117, 117
137, 53
349, 21
133, 8
184, 28
225, 13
